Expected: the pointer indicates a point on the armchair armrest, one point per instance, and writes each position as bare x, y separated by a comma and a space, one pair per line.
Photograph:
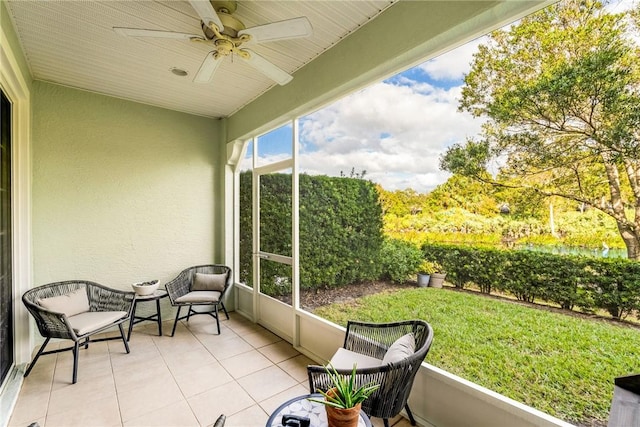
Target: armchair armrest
178, 286
102, 298
50, 323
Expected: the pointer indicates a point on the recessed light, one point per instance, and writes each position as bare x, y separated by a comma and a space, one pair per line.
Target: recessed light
179, 72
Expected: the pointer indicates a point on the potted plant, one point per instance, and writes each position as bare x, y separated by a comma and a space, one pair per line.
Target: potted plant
424, 273
343, 400
437, 276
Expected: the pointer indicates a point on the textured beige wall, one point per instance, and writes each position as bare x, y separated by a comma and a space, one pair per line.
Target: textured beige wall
122, 192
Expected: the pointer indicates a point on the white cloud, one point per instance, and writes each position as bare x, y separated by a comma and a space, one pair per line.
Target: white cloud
396, 132
453, 64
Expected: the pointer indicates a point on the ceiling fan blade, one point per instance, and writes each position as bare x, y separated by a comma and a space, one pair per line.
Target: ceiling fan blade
140, 32
268, 69
207, 13
208, 68
282, 30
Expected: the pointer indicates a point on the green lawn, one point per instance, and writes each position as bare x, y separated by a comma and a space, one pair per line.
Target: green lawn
560, 364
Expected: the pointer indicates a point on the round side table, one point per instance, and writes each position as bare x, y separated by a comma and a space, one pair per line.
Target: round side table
314, 411
156, 296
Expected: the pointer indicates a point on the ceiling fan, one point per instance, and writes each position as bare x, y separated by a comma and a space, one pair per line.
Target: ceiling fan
228, 35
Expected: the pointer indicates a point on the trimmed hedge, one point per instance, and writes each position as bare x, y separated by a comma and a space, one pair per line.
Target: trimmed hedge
569, 281
399, 260
340, 231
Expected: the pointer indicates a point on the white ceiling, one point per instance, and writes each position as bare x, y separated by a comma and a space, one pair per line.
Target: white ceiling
73, 43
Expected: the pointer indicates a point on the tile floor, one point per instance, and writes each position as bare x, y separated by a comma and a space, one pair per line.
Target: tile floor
246, 372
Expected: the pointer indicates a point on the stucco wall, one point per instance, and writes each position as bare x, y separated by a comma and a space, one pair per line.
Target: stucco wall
122, 192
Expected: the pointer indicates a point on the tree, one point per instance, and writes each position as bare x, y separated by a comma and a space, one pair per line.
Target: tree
561, 91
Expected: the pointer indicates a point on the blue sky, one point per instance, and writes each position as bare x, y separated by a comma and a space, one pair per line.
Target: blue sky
396, 129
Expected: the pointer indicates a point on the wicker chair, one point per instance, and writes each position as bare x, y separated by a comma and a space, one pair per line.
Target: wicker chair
103, 308
182, 293
372, 340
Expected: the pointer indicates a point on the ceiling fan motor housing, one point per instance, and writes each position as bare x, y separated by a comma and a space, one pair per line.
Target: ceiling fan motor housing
231, 26
224, 10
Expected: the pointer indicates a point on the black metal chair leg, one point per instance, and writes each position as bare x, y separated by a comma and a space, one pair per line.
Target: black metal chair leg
225, 310
411, 419
35, 359
175, 323
189, 313
76, 350
217, 318
124, 339
386, 422
159, 317
131, 319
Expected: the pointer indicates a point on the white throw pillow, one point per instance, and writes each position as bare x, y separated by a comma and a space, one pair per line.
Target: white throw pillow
209, 282
70, 304
402, 348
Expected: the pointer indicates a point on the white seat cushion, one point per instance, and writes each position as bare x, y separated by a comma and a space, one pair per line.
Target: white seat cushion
70, 304
92, 320
344, 359
195, 297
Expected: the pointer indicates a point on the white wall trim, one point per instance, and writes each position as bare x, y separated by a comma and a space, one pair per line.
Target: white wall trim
16, 89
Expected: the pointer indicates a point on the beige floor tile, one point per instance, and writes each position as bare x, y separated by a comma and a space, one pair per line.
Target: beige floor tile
182, 341
117, 347
261, 338
176, 415
271, 404
40, 422
209, 340
279, 351
149, 397
39, 380
29, 408
139, 343
44, 367
204, 324
231, 348
267, 382
297, 367
250, 417
135, 360
84, 393
187, 361
102, 413
88, 370
140, 375
246, 363
228, 399
95, 351
202, 378
242, 326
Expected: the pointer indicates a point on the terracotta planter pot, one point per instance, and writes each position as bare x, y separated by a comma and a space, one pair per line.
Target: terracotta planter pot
436, 280
337, 417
